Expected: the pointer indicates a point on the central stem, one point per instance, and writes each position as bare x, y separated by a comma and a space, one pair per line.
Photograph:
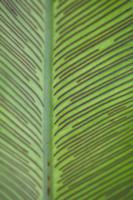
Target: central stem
48, 102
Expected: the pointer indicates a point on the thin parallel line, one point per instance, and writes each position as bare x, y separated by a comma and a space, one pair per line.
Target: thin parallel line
82, 112
34, 41
110, 49
21, 105
29, 12
20, 138
73, 130
71, 5
6, 55
101, 37
19, 191
82, 148
85, 186
92, 23
76, 17
17, 86
85, 159
37, 140
80, 81
24, 83
33, 182
37, 111
72, 101
84, 151
69, 181
78, 22
8, 191
75, 141
7, 105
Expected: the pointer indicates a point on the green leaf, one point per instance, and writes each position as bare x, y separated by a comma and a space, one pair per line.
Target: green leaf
66, 118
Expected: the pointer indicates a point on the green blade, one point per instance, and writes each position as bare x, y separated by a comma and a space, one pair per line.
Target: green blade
22, 139
92, 63
66, 97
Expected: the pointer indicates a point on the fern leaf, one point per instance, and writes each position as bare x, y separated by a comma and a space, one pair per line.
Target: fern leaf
66, 97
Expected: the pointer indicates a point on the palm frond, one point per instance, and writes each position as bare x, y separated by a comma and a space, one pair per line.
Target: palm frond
66, 97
